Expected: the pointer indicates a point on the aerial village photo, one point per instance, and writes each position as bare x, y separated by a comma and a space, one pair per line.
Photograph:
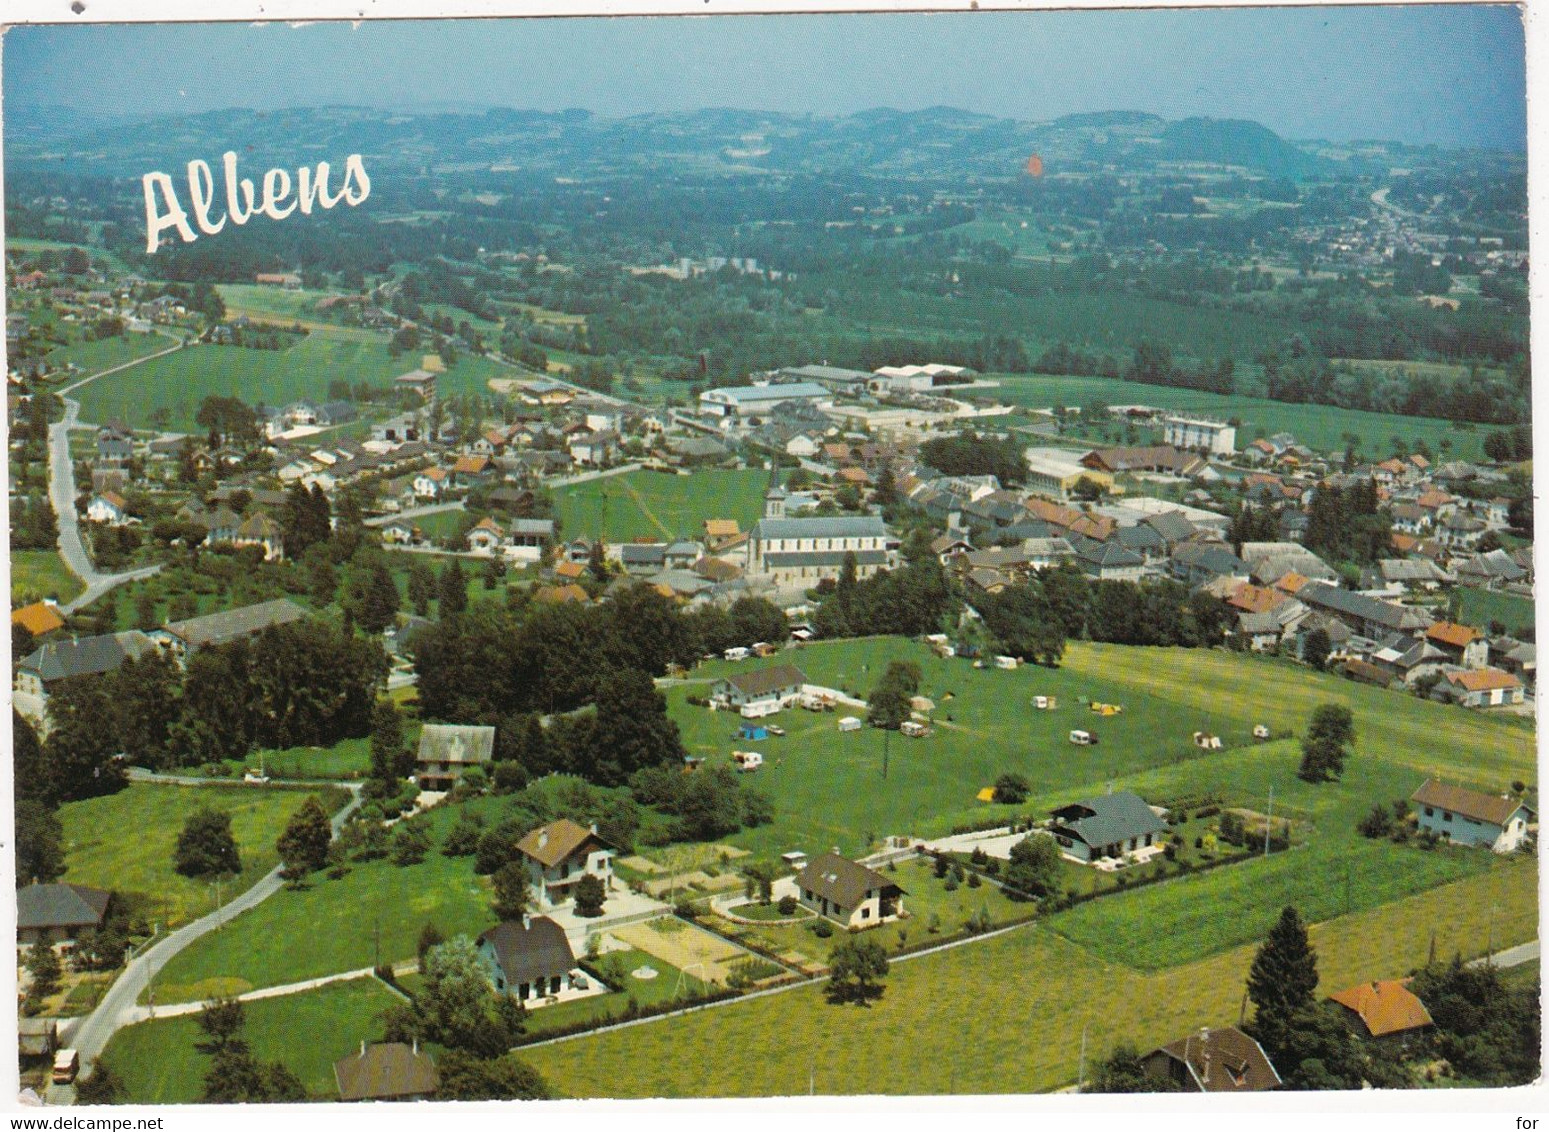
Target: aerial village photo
852, 555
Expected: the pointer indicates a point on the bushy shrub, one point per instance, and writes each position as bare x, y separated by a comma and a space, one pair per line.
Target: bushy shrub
787, 905
822, 928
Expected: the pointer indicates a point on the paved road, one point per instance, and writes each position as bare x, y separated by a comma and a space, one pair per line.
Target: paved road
414, 513
118, 1008
140, 774
172, 1010
1511, 957
61, 493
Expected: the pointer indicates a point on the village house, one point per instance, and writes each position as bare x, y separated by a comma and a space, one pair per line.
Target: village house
53, 913
1367, 616
1486, 687
528, 959
110, 508
760, 691
257, 529
1218, 1060
1109, 825
1468, 817
39, 619
1462, 645
558, 855
848, 893
43, 668
386, 1071
1385, 1011
432, 483
447, 751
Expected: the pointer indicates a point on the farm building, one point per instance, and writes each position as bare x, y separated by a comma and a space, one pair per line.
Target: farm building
1220, 1060
558, 855
1106, 826
779, 685
1469, 817
187, 637
848, 893
49, 664
1386, 1011
447, 750
527, 958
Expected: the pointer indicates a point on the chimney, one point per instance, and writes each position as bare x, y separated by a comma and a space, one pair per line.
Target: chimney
1204, 1049
416, 1047
526, 922
543, 838
594, 828
362, 1047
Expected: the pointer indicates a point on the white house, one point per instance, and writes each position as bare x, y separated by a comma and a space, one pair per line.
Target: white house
778, 686
1484, 687
109, 507
1471, 818
1194, 433
431, 483
851, 894
757, 400
558, 855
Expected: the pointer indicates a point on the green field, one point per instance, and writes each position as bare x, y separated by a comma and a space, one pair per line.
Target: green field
655, 505
36, 574
92, 357
178, 382
309, 1031
1320, 427
1006, 1015
1480, 607
124, 842
985, 725
331, 925
828, 788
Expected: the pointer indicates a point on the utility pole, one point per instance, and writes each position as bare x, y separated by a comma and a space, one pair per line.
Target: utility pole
1269, 819
1081, 1065
887, 735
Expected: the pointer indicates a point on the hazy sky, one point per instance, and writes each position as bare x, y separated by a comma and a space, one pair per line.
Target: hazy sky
1447, 74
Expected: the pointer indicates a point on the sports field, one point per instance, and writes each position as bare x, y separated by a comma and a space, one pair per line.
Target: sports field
1320, 427
660, 506
1006, 1015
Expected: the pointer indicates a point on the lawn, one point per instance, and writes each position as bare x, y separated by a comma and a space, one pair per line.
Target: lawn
125, 841
620, 965
372, 914
1006, 1015
309, 1031
655, 505
38, 574
1321, 427
1480, 607
178, 382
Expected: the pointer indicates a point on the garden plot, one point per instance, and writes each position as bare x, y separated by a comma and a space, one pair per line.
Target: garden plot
686, 947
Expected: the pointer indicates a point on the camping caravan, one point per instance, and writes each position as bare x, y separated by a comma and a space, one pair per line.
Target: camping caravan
914, 729
736, 654
1261, 732
747, 761
1043, 703
760, 708
817, 701
1006, 662
850, 723
1207, 741
1083, 738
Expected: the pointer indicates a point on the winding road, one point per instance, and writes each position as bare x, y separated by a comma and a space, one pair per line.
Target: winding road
118, 1007
61, 493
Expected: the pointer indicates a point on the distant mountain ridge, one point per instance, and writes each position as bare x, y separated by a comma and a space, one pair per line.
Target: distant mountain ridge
936, 141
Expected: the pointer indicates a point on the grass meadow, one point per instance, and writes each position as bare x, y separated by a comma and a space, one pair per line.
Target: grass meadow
1006, 1015
1320, 427
1480, 607
124, 842
309, 1031
36, 574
